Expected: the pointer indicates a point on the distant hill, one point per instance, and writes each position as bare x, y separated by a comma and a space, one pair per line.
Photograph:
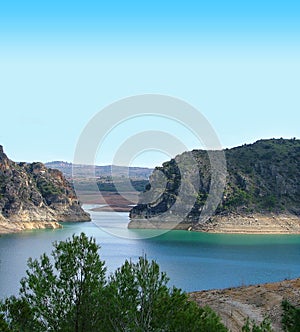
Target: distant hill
35, 196
66, 168
84, 181
262, 188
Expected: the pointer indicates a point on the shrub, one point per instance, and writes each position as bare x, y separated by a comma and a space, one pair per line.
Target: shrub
290, 317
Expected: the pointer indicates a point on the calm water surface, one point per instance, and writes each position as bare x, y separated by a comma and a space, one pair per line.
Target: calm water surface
193, 261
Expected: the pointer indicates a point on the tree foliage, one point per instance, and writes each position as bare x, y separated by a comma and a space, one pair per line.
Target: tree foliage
70, 292
290, 317
60, 296
142, 301
251, 326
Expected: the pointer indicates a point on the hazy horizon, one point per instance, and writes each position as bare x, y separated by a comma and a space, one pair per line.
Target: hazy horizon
139, 165
61, 63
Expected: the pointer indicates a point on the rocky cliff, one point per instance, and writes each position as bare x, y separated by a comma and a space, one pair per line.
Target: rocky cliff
261, 192
35, 195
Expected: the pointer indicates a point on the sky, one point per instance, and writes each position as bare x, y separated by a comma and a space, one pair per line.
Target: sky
62, 62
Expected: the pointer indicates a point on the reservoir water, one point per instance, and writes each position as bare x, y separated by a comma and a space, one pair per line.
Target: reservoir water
193, 261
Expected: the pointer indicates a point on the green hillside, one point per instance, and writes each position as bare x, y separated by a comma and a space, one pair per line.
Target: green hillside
263, 177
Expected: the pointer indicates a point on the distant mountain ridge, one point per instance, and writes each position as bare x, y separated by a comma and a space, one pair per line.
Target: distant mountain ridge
35, 196
100, 171
262, 188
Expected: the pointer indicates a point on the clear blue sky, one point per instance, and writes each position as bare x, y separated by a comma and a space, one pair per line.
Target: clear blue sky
238, 62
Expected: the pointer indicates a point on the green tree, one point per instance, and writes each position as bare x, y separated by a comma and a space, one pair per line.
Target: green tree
142, 301
3, 324
290, 317
65, 296
17, 315
70, 292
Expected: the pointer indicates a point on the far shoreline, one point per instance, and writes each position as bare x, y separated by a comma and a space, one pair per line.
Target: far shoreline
231, 224
7, 227
256, 224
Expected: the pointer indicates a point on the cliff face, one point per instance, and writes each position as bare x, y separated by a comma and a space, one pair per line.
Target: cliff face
33, 193
262, 183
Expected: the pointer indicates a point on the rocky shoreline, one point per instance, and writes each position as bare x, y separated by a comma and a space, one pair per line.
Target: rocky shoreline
253, 224
229, 224
16, 227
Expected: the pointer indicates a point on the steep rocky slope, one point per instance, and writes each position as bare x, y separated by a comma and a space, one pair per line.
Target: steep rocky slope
32, 196
261, 193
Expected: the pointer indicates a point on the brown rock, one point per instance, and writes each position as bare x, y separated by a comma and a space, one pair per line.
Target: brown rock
32, 193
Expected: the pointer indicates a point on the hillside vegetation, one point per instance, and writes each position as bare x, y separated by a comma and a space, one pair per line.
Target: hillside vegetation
262, 178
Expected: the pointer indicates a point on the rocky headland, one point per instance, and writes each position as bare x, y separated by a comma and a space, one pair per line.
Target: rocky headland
261, 192
33, 196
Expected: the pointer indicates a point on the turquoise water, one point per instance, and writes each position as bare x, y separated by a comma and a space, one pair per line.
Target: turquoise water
193, 261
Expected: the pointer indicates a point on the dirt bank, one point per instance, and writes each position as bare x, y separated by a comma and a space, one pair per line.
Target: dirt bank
234, 305
15, 227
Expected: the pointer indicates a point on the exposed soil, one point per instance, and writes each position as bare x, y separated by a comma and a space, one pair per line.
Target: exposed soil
234, 305
267, 223
231, 224
15, 227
